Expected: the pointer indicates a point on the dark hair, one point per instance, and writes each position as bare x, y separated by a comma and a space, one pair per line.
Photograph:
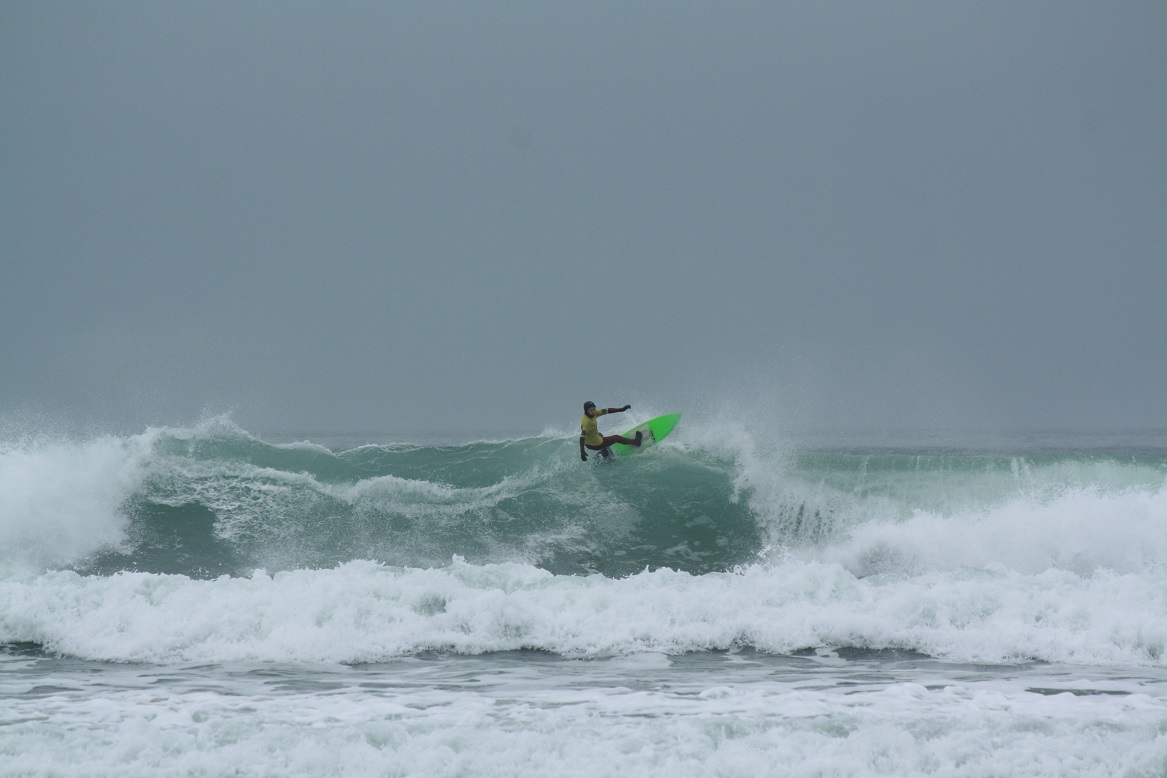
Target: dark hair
589, 404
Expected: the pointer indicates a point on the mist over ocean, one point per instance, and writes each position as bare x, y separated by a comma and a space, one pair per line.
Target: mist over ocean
202, 600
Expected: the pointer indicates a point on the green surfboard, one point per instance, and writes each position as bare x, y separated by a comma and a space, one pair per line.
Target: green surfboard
654, 431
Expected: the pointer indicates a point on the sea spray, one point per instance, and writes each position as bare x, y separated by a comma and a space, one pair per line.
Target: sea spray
61, 499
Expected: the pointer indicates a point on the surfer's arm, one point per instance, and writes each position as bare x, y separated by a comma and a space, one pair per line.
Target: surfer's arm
618, 410
582, 454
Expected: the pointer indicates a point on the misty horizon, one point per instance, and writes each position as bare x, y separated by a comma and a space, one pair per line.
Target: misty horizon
463, 217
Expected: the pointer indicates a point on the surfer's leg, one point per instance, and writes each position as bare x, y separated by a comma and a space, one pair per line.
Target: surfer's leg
610, 439
603, 447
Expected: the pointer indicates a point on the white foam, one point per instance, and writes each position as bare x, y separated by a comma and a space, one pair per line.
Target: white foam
756, 728
61, 499
363, 612
247, 498
1080, 530
1072, 514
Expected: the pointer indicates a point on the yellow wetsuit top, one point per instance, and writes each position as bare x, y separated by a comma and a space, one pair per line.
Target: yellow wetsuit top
590, 431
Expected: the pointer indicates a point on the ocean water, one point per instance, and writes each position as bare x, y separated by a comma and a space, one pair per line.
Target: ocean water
207, 601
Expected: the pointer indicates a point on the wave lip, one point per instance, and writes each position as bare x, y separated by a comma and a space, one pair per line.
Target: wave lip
214, 499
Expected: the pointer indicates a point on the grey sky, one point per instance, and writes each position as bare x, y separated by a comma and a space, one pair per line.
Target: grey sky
365, 216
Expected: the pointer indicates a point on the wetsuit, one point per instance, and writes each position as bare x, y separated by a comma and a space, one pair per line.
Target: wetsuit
590, 431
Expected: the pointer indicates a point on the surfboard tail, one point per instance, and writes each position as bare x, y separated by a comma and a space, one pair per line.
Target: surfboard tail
652, 432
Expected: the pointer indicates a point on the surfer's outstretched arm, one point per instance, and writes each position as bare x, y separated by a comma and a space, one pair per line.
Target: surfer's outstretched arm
619, 410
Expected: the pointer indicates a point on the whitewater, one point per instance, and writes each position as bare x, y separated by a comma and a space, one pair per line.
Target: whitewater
203, 600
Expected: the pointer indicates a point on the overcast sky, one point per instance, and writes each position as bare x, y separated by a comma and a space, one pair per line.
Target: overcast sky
409, 216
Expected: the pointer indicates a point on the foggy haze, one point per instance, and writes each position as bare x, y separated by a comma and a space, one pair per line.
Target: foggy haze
420, 216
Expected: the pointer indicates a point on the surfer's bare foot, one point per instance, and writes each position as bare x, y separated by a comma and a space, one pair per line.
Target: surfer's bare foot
639, 436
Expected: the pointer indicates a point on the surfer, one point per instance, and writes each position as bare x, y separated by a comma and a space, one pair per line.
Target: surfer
589, 433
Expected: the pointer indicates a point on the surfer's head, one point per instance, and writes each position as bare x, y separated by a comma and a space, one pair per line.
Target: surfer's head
589, 406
